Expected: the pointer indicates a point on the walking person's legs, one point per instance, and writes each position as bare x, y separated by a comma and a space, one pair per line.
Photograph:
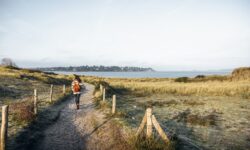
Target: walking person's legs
77, 100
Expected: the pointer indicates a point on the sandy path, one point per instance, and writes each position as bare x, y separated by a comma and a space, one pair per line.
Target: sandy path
75, 128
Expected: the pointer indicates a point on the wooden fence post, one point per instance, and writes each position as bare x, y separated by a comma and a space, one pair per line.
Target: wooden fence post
51, 92
4, 126
143, 123
159, 129
114, 104
104, 94
149, 122
101, 88
35, 101
64, 89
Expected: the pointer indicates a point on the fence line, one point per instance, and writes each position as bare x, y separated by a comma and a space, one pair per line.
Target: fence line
151, 121
148, 120
36, 101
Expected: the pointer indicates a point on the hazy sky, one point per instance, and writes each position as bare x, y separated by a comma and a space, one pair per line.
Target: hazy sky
165, 35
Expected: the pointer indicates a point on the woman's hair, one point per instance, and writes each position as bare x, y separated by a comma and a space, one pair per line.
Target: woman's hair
77, 78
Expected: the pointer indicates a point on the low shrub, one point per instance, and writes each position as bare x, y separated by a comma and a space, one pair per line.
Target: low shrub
195, 119
192, 103
22, 112
182, 79
200, 76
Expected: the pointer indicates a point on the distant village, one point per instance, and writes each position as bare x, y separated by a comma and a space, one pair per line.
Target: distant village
97, 69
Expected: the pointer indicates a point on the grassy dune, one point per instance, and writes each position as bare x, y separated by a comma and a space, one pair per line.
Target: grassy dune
215, 88
16, 90
210, 111
204, 109
233, 85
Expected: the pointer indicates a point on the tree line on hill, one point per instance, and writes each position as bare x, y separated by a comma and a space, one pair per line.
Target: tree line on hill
96, 68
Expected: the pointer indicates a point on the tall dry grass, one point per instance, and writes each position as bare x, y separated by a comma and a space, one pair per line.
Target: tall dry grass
16, 90
211, 88
237, 84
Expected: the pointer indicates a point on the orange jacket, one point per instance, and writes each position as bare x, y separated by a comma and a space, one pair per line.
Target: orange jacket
73, 84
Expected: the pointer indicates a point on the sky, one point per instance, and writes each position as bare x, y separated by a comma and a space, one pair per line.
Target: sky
162, 34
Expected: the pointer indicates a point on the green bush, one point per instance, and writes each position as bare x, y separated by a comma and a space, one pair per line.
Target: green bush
182, 79
200, 76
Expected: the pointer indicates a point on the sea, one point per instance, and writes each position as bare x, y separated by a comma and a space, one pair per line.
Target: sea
156, 74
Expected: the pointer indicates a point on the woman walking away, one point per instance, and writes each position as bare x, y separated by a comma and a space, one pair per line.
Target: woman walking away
76, 88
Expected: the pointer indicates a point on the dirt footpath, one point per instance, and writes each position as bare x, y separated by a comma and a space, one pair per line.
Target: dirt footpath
78, 129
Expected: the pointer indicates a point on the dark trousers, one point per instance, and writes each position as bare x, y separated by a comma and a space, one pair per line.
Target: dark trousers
77, 98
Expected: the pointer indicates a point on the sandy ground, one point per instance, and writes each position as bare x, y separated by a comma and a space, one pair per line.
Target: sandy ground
77, 129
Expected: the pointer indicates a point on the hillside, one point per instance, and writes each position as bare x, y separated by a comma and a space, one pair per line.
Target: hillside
242, 73
201, 110
96, 68
17, 90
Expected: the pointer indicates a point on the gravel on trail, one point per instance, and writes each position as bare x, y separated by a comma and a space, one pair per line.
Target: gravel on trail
75, 129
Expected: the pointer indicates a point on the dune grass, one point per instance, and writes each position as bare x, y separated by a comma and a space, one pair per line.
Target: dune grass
199, 86
214, 88
200, 103
17, 88
203, 109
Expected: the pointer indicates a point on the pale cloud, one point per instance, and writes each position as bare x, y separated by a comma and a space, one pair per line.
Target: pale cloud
167, 35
